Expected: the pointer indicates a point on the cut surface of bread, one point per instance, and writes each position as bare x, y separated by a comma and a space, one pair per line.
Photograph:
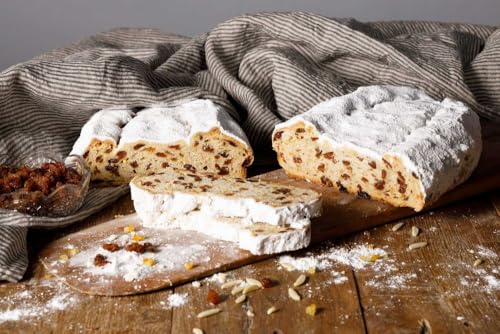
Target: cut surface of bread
198, 135
162, 198
394, 144
261, 217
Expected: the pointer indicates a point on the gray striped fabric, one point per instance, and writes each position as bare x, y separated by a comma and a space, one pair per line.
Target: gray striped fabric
262, 69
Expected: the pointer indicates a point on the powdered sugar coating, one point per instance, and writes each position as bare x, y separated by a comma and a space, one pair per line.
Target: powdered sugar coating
439, 141
158, 124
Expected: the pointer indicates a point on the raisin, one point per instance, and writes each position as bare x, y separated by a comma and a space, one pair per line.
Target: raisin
346, 163
345, 176
321, 168
267, 282
190, 168
297, 160
99, 159
138, 146
372, 164
277, 135
329, 155
247, 162
380, 185
223, 171
135, 247
384, 173
112, 169
363, 194
111, 247
300, 130
213, 297
414, 175
364, 179
207, 148
231, 143
121, 154
314, 138
161, 154
175, 147
228, 162
164, 164
100, 260
326, 181
134, 164
387, 163
86, 155
341, 187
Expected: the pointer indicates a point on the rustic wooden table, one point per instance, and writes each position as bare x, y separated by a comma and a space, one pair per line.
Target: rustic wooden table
436, 288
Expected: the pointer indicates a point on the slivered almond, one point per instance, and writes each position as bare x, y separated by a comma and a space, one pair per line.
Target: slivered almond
250, 314
253, 281
272, 309
417, 245
230, 284
208, 313
197, 331
477, 262
240, 299
250, 288
237, 289
397, 227
288, 266
293, 294
414, 231
300, 280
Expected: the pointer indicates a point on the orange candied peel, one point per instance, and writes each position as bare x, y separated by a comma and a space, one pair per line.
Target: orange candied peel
128, 229
189, 265
311, 310
149, 261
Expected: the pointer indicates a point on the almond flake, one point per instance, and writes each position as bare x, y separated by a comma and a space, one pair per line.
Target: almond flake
414, 231
197, 331
397, 227
250, 314
288, 266
237, 289
477, 262
253, 281
230, 284
240, 299
208, 313
293, 294
271, 310
250, 288
300, 280
417, 245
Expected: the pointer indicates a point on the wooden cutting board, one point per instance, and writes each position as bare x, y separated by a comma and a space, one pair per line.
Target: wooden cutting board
342, 214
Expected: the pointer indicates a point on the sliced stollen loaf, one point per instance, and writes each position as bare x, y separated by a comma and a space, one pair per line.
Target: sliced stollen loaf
262, 217
388, 143
198, 135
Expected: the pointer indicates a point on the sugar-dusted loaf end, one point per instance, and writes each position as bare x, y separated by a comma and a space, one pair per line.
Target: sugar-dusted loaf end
394, 144
198, 135
261, 217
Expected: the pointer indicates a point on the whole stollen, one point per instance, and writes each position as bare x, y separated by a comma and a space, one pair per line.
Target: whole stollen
261, 217
389, 143
119, 143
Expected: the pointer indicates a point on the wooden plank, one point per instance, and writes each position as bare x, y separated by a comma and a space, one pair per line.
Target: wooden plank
80, 313
338, 305
447, 290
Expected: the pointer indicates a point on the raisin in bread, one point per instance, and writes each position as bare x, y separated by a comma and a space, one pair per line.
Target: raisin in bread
262, 217
394, 144
118, 143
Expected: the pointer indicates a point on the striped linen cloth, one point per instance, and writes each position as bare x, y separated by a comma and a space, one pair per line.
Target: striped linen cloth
262, 69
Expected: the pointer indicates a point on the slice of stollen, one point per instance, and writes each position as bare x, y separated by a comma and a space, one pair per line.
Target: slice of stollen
162, 198
258, 238
261, 217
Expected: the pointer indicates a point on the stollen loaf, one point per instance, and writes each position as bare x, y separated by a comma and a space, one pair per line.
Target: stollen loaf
262, 217
394, 144
119, 143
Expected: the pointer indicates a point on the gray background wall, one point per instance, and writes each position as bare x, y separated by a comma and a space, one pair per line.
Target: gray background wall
30, 27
